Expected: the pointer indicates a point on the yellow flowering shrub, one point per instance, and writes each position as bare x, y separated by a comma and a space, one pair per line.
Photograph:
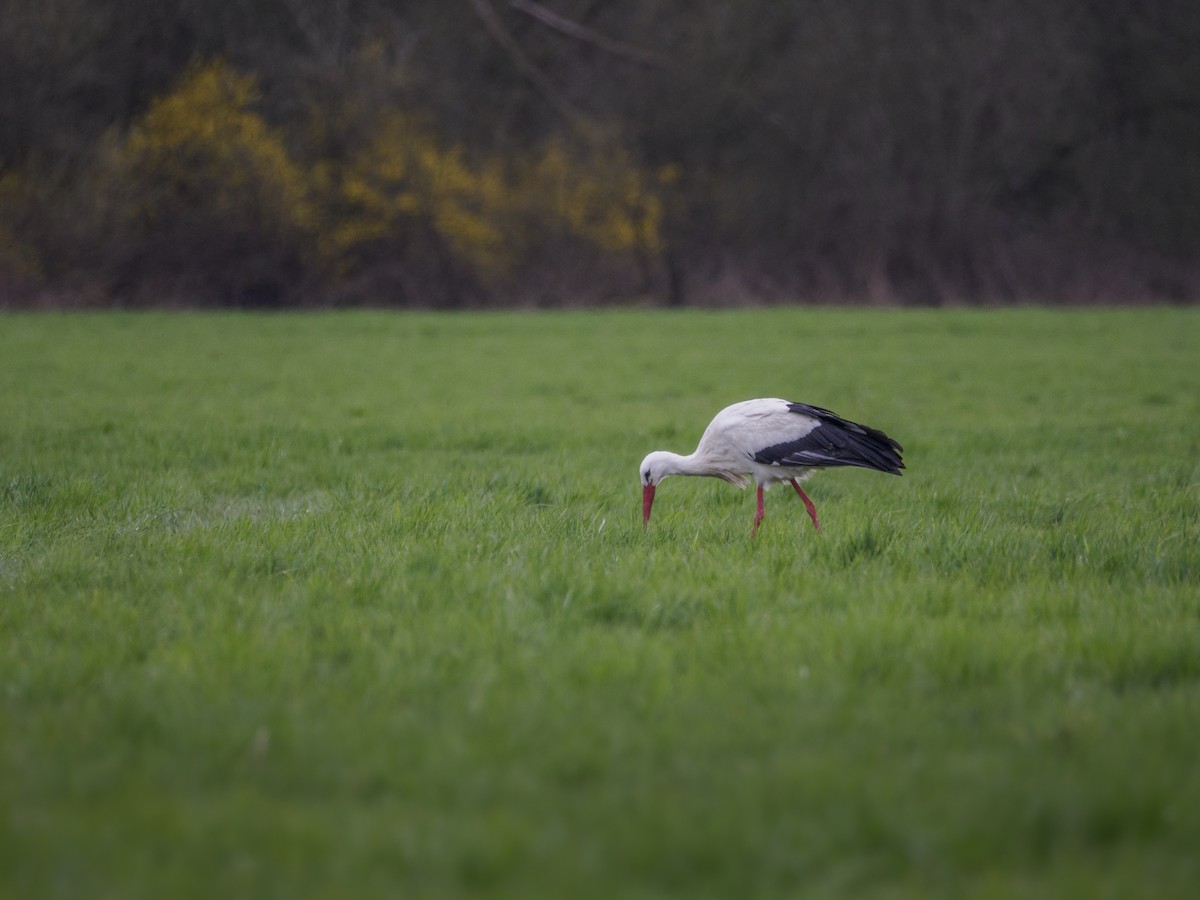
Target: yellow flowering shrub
201, 179
404, 188
491, 217
202, 149
605, 199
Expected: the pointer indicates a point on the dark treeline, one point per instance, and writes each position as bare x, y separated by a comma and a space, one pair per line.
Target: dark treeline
563, 152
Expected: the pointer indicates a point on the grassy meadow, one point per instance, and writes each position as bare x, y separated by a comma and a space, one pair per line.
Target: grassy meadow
360, 604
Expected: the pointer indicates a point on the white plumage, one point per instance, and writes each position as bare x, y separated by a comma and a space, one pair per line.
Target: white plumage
772, 440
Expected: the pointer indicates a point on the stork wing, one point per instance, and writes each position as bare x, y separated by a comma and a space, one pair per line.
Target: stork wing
834, 442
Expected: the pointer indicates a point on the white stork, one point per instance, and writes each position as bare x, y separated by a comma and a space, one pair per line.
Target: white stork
773, 440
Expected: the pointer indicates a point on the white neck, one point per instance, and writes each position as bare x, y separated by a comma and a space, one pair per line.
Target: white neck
696, 464
675, 464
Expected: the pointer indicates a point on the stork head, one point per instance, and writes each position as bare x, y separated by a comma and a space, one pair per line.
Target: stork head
655, 467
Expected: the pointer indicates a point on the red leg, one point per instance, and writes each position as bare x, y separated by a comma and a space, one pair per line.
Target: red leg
758, 516
808, 504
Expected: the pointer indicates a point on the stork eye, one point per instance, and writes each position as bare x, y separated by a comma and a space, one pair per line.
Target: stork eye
646, 475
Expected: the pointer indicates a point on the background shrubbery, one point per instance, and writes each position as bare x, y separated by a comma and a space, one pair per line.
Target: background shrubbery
481, 152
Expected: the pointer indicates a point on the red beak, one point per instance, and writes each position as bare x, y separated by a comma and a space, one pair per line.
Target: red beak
647, 502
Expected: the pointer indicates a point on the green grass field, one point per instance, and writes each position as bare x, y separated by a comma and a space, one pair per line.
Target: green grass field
360, 605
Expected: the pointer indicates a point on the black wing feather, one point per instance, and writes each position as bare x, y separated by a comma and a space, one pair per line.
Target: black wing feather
834, 442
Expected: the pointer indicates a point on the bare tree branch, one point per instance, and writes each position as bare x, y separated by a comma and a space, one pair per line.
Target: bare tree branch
524, 64
325, 30
573, 29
